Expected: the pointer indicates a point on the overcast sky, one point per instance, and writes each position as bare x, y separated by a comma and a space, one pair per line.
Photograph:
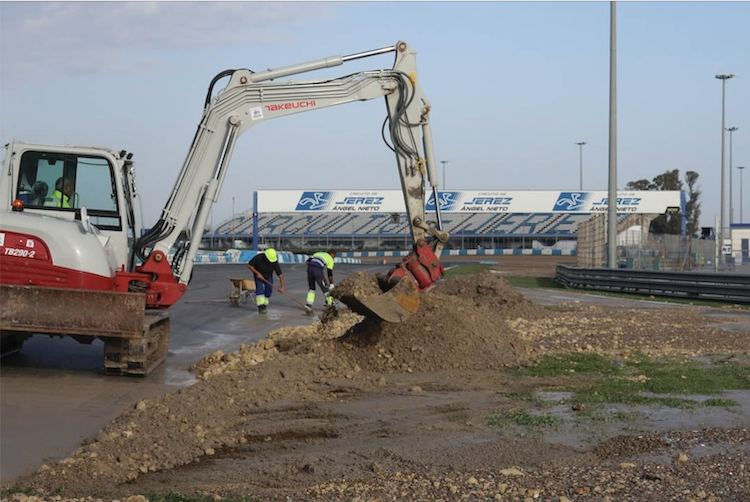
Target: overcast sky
513, 87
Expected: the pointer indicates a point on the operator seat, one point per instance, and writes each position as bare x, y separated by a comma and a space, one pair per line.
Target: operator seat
39, 192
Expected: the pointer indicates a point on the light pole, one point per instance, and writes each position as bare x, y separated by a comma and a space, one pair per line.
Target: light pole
444, 162
741, 168
731, 190
720, 233
580, 161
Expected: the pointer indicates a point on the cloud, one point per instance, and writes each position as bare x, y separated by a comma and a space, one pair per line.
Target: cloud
59, 39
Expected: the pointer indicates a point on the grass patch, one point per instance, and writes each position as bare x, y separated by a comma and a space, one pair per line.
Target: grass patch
641, 380
638, 380
567, 364
607, 417
522, 418
466, 269
720, 403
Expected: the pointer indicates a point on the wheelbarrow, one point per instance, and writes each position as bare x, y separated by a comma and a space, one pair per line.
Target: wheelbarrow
241, 290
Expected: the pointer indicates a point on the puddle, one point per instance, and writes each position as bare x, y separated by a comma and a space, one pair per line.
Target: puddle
580, 430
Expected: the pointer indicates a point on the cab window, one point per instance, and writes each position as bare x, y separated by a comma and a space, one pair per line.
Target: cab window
66, 182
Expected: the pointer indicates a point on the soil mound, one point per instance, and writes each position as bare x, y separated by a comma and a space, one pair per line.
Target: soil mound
275, 401
460, 324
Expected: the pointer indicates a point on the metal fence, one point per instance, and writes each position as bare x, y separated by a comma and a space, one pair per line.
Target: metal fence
637, 249
695, 285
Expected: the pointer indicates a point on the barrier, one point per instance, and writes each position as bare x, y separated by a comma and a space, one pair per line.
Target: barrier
722, 287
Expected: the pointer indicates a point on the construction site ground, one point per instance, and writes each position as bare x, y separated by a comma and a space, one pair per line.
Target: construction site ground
341, 408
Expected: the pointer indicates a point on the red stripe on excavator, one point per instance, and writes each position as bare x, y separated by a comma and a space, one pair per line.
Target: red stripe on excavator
25, 260
26, 272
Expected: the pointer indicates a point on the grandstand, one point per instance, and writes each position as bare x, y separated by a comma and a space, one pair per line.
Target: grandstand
376, 220
357, 232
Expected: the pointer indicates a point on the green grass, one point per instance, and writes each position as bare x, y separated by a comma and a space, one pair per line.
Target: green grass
641, 380
466, 269
522, 418
602, 381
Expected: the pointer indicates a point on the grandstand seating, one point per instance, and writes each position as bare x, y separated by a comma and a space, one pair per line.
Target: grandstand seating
369, 225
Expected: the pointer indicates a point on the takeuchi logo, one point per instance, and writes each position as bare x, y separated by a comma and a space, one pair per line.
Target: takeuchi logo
571, 201
314, 201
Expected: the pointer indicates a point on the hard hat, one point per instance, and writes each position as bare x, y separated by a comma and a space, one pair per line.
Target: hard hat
271, 255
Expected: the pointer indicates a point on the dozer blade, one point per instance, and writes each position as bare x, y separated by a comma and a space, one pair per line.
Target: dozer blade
63, 311
395, 305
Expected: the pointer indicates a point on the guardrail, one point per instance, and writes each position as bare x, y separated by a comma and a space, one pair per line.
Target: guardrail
723, 287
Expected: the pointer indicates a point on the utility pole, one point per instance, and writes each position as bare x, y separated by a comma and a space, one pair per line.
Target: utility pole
612, 191
741, 168
720, 233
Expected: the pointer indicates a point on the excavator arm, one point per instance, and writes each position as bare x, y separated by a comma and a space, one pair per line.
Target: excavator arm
251, 98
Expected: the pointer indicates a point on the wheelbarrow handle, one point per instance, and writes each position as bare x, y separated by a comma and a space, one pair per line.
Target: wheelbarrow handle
283, 293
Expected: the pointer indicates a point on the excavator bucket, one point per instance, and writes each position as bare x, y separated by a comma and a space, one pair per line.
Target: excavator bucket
365, 294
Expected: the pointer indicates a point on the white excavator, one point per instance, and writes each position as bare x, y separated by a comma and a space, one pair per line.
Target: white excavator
71, 261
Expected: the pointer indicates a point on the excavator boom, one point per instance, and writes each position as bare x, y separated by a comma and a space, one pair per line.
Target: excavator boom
69, 235
251, 98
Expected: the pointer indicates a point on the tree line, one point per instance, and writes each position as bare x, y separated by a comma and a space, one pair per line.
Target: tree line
670, 180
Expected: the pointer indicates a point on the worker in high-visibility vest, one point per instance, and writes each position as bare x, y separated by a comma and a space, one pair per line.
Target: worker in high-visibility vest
62, 194
263, 266
320, 272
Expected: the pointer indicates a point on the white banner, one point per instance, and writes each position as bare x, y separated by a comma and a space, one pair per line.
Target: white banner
468, 201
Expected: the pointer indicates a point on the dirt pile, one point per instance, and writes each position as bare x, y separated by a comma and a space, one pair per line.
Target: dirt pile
460, 325
343, 398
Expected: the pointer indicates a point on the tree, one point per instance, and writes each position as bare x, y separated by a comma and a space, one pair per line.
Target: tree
693, 205
670, 180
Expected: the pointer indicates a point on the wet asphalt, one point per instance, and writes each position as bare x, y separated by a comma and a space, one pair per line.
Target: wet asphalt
54, 393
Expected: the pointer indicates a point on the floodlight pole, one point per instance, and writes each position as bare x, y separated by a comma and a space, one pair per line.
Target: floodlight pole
741, 217
612, 197
444, 162
720, 233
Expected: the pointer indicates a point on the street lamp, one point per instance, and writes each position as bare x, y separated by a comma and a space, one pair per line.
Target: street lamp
720, 233
444, 162
741, 168
731, 190
580, 160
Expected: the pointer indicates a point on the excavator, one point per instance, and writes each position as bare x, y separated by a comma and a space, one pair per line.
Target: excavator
73, 264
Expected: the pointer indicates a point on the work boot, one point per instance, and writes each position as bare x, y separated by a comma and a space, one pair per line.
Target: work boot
262, 309
308, 309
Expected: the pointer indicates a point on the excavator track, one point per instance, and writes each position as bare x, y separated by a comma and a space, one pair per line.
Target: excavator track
138, 356
135, 341
11, 343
